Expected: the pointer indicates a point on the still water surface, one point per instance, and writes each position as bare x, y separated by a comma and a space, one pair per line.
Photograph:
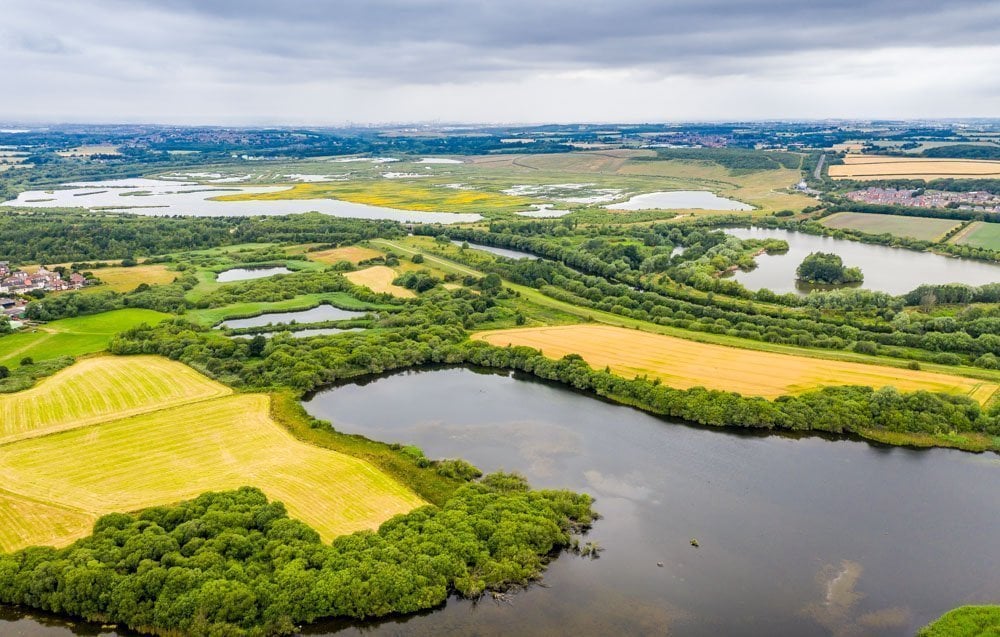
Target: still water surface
317, 314
680, 200
160, 197
886, 269
503, 252
245, 274
799, 536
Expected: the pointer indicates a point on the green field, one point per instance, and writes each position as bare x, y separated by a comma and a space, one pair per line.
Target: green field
167, 436
979, 234
72, 336
920, 228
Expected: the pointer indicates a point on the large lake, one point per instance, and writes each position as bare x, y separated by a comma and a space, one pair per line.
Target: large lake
799, 536
679, 200
161, 198
886, 269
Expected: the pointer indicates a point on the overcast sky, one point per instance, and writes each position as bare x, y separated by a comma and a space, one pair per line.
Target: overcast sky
332, 62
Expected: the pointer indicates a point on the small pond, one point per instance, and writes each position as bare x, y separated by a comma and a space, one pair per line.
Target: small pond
245, 274
503, 252
886, 269
679, 200
317, 314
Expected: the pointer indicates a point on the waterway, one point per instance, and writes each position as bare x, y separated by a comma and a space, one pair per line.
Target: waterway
886, 269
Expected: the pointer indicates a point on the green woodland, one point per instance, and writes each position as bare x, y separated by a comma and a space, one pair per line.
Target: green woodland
234, 564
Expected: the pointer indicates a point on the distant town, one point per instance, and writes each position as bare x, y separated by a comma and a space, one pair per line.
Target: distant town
920, 198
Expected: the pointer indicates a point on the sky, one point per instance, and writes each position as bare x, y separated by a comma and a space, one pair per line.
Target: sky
300, 62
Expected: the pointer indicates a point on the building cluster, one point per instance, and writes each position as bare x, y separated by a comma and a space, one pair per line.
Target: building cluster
12, 308
20, 282
979, 201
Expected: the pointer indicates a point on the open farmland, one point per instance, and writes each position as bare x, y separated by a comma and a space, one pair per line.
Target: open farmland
921, 228
379, 278
979, 234
56, 485
683, 364
93, 390
354, 254
871, 167
72, 336
128, 279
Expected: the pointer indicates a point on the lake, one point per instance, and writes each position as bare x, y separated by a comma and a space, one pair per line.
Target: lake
160, 197
886, 269
245, 274
800, 536
679, 200
503, 252
317, 314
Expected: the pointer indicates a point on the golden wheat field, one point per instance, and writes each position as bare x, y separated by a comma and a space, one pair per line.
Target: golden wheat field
55, 485
95, 389
682, 364
379, 278
871, 167
354, 254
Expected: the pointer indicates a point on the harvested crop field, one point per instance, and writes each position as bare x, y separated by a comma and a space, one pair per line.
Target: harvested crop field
95, 389
920, 228
56, 485
128, 279
979, 234
354, 254
682, 364
379, 278
870, 167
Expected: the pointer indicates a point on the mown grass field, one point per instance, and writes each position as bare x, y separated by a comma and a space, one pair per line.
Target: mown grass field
379, 278
404, 194
354, 254
72, 336
979, 234
683, 364
95, 389
56, 485
872, 167
921, 228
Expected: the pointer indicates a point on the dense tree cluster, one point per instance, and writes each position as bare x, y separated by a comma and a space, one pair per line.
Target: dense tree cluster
234, 564
49, 237
827, 269
865, 321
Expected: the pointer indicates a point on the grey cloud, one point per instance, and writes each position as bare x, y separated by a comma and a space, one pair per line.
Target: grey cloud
457, 40
208, 56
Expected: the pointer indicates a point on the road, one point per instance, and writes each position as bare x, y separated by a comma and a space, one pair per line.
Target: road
818, 173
